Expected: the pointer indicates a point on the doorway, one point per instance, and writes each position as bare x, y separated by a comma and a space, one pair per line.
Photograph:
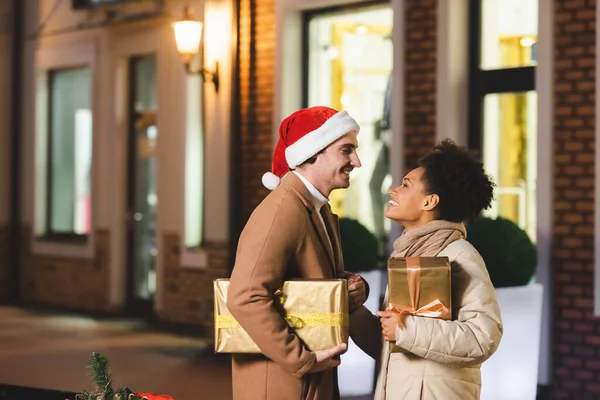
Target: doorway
142, 200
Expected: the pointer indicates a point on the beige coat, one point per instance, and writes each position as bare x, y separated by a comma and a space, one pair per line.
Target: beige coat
284, 239
441, 359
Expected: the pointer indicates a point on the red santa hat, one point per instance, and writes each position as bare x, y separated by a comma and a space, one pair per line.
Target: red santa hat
302, 135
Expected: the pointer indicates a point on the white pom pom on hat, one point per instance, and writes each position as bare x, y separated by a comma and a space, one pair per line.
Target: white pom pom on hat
270, 180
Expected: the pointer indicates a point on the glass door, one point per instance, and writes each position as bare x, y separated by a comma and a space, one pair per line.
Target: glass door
349, 67
142, 200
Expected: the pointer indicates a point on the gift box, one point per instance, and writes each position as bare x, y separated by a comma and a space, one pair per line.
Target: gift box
420, 286
316, 309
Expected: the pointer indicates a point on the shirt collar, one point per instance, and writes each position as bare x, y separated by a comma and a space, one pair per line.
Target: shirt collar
316, 197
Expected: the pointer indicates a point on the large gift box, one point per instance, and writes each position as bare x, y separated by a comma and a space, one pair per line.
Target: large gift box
316, 309
420, 286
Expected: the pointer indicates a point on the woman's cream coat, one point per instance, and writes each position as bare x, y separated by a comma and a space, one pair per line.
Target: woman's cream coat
441, 359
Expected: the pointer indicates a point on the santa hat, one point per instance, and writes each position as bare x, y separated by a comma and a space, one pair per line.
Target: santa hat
302, 135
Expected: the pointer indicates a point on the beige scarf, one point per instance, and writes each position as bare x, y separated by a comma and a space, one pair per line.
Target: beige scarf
428, 240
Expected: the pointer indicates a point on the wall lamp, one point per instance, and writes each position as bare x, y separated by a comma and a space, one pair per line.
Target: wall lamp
188, 32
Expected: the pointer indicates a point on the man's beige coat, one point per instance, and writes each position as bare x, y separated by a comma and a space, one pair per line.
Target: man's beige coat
283, 239
441, 359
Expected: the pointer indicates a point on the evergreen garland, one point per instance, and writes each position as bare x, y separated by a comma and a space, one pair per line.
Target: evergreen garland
103, 381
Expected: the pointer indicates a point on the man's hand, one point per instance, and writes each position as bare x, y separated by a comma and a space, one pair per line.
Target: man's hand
325, 358
389, 323
357, 292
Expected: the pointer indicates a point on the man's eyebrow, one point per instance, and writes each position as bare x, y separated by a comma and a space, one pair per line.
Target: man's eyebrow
351, 145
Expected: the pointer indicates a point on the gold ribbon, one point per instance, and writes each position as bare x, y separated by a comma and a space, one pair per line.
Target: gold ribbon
435, 309
296, 320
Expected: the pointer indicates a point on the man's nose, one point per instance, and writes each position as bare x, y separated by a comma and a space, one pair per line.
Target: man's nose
355, 161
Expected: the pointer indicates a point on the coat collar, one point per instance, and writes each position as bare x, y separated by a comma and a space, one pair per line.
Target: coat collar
317, 197
293, 183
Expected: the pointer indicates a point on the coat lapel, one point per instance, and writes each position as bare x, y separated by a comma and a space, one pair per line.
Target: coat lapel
292, 181
318, 225
332, 222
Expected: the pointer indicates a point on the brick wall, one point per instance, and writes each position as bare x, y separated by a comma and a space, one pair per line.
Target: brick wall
576, 331
71, 283
188, 293
257, 71
420, 78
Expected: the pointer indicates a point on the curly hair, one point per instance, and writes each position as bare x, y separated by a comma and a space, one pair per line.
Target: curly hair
458, 179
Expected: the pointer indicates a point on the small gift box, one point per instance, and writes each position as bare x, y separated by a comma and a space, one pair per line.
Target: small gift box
420, 286
317, 310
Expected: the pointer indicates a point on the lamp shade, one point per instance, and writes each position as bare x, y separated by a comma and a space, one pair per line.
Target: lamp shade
188, 33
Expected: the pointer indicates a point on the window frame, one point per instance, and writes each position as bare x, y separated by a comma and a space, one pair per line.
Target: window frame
491, 81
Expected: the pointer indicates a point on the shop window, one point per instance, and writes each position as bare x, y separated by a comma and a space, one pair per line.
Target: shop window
69, 161
348, 67
503, 103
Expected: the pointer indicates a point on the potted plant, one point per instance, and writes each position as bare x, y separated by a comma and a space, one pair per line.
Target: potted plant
360, 249
511, 260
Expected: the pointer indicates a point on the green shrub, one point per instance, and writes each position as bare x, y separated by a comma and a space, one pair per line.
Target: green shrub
507, 250
359, 246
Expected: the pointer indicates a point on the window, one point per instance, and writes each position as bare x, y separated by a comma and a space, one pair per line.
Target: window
503, 103
68, 210
348, 67
194, 165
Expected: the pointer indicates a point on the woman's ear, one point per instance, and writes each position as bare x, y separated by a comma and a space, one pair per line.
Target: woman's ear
431, 202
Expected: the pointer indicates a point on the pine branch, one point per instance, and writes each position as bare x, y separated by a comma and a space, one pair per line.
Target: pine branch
101, 374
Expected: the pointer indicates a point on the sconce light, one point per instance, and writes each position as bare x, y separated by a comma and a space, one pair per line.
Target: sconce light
188, 32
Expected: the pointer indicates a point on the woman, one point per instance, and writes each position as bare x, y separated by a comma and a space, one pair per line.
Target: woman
437, 359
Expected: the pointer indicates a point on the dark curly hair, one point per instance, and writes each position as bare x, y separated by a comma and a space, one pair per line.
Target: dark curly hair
458, 179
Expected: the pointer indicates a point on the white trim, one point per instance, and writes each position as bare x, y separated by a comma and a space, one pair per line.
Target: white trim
310, 144
288, 70
218, 19
397, 118
452, 71
545, 188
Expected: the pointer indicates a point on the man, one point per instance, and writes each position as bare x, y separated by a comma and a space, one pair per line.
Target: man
293, 234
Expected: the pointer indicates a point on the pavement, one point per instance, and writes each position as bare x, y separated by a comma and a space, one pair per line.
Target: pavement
51, 351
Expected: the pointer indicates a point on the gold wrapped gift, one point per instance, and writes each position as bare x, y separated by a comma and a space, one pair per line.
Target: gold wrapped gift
317, 310
420, 286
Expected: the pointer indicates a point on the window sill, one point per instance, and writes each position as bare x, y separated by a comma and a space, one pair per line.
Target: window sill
69, 246
194, 258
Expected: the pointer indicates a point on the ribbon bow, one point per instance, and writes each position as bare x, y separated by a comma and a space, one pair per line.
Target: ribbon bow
435, 309
295, 322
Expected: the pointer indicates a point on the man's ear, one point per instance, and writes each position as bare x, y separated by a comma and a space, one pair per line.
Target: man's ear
431, 201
